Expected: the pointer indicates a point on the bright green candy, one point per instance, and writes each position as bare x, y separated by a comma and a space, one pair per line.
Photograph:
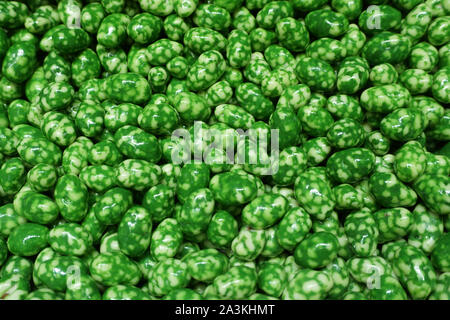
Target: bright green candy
264, 211
74, 158
70, 40
205, 265
203, 39
42, 177
3, 252
222, 228
410, 161
383, 74
317, 250
272, 12
439, 256
327, 49
340, 276
403, 124
81, 287
112, 205
314, 194
137, 174
415, 272
377, 143
128, 87
121, 115
104, 152
385, 98
369, 271
295, 96
387, 287
191, 107
393, 223
113, 60
17, 112
438, 31
178, 67
159, 201
423, 56
109, 243
293, 228
85, 66
351, 9
430, 107
144, 28
317, 150
387, 47
277, 56
238, 49
58, 128
166, 240
437, 164
196, 212
114, 268
238, 282
212, 16
36, 207
251, 99
347, 197
168, 275
12, 176
261, 39
162, 51
71, 196
326, 23
433, 190
425, 230
390, 192
362, 232
89, 119
441, 289
56, 95
345, 133
208, 68
248, 244
19, 62
16, 266
234, 116
137, 60
56, 68
416, 81
136, 143
134, 232
158, 7
292, 34
13, 14
44, 18
352, 75
193, 176
9, 90
9, 219
14, 288
344, 106
308, 284
158, 119
315, 73
113, 30
440, 88
70, 239
379, 18
350, 165
292, 162
219, 93
124, 292
315, 120
353, 40
27, 239
272, 279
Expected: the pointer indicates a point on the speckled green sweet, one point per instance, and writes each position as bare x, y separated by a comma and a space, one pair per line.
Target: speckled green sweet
14, 288
439, 258
205, 265
393, 223
166, 239
441, 289
114, 268
27, 239
112, 205
12, 176
387, 47
352, 75
36, 207
19, 62
56, 68
109, 243
98, 177
347, 197
426, 229
345, 133
9, 219
134, 232
379, 18
128, 87
316, 251
272, 279
137, 174
362, 232
326, 49
237, 283
308, 284
326, 23
410, 161
390, 192
415, 272
432, 190
264, 211
168, 275
70, 239
350, 165
251, 99
403, 124
248, 244
136, 143
315, 73
222, 228
315, 120
58, 128
196, 212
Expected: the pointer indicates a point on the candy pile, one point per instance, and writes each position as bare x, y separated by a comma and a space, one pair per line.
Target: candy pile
343, 191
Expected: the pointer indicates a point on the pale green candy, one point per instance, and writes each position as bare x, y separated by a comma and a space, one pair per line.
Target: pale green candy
166, 240
362, 232
308, 284
248, 244
168, 275
70, 239
238, 282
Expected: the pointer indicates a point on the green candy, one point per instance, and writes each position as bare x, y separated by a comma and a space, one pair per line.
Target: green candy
390, 192
56, 96
159, 201
416, 81
166, 239
27, 239
70, 40
293, 228
439, 258
326, 23
393, 223
362, 232
113, 269
85, 66
13, 14
440, 87
352, 75
410, 161
201, 39
196, 212
315, 73
71, 197
137, 174
326, 49
272, 279
353, 40
350, 165
308, 284
317, 250
347, 197
426, 229
403, 124
14, 288
315, 120
117, 116
134, 231
58, 128
99, 177
9, 220
136, 143
81, 287
191, 107
168, 275
292, 34
432, 189
423, 56
239, 282
111, 207
124, 292
193, 176
415, 272
36, 207
441, 289
42, 177
12, 176
208, 68
379, 18
288, 125
222, 228
345, 133
70, 239
128, 87
19, 62
293, 161
205, 265
56, 68
248, 244
264, 211
211, 16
